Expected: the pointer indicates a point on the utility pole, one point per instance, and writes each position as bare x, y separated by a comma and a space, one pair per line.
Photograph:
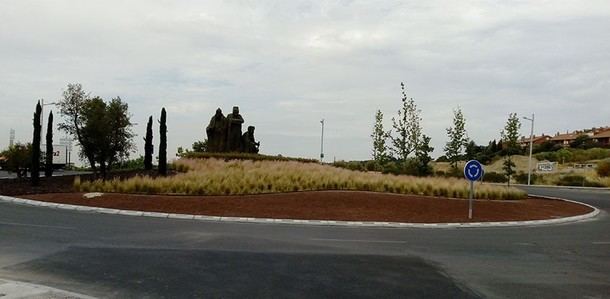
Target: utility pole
11, 139
529, 162
322, 142
42, 104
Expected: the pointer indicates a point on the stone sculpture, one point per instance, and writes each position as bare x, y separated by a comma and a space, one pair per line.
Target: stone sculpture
217, 132
224, 134
248, 144
234, 122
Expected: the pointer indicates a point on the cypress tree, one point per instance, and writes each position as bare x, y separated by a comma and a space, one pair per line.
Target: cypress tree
163, 143
48, 169
36, 146
148, 145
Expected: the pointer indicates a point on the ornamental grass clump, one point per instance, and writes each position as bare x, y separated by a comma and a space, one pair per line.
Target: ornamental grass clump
239, 177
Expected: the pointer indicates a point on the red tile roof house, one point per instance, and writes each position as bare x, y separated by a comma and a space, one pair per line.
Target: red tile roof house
525, 140
603, 137
565, 139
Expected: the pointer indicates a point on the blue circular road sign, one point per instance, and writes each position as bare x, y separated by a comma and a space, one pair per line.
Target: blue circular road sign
473, 170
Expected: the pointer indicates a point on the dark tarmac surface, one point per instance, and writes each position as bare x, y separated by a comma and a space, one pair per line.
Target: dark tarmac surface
11, 175
133, 257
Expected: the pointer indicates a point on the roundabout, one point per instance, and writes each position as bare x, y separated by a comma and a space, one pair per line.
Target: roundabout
106, 255
339, 208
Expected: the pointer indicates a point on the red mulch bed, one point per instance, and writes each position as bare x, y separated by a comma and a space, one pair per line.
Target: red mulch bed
331, 205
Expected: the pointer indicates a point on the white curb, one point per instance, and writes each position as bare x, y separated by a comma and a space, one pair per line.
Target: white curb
592, 214
18, 289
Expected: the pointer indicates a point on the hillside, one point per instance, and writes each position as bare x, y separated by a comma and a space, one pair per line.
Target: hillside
495, 166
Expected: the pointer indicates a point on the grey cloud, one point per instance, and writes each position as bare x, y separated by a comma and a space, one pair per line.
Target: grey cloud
288, 64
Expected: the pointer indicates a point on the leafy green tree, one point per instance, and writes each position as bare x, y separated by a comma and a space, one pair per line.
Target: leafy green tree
71, 107
130, 164
18, 159
545, 146
163, 143
119, 133
379, 139
603, 168
48, 169
442, 158
583, 142
407, 126
471, 150
563, 155
493, 147
422, 153
200, 146
36, 146
510, 136
107, 132
103, 129
457, 139
148, 145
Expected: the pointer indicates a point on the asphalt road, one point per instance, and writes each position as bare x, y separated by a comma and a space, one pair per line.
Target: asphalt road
11, 175
138, 257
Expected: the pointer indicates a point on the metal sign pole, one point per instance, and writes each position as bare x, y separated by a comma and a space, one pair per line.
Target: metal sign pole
473, 170
470, 200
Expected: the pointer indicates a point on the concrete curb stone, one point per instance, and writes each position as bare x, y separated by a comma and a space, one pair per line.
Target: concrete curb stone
18, 289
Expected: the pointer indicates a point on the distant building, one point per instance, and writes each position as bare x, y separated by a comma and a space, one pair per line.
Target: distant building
602, 136
598, 134
565, 139
537, 140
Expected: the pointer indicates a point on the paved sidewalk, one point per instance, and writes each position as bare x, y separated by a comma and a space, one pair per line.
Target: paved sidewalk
20, 290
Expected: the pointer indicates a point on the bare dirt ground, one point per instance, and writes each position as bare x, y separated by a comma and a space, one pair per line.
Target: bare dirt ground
331, 205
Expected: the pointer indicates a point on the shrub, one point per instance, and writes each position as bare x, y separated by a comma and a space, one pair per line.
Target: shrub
440, 173
218, 177
574, 155
603, 168
577, 180
372, 165
132, 164
18, 159
494, 177
521, 178
243, 156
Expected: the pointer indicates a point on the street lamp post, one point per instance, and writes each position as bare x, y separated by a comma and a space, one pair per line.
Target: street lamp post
529, 162
322, 142
42, 104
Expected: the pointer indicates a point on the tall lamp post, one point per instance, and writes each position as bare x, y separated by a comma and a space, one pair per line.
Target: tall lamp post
322, 142
529, 162
42, 104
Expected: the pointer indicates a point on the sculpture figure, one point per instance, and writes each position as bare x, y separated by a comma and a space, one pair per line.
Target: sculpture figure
248, 143
217, 132
234, 122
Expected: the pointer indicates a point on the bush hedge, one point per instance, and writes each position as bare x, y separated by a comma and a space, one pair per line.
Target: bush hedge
603, 168
494, 177
577, 180
243, 156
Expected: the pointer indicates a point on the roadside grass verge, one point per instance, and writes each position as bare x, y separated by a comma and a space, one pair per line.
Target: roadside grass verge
238, 177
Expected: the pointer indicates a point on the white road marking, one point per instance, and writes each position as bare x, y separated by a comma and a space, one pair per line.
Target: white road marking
601, 243
36, 225
362, 241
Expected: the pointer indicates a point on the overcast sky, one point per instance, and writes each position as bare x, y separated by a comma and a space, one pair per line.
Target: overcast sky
288, 64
